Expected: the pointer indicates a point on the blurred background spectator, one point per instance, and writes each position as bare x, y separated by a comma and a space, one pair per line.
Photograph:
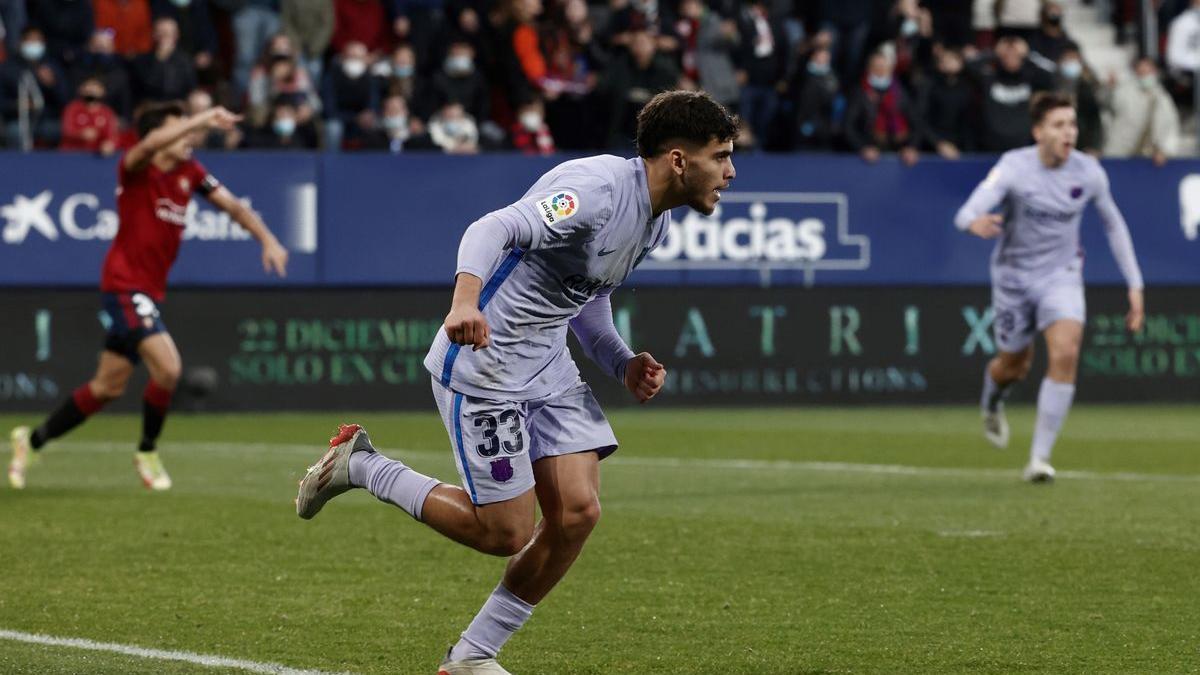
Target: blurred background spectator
33, 92
1145, 122
88, 123
960, 73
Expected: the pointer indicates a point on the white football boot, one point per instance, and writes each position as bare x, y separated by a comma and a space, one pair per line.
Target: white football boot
150, 469
330, 476
995, 427
1038, 471
22, 456
471, 667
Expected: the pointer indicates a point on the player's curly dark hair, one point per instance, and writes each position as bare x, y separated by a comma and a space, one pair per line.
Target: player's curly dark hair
690, 116
1045, 101
152, 115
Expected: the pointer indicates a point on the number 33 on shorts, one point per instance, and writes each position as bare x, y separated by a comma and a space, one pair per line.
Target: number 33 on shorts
492, 447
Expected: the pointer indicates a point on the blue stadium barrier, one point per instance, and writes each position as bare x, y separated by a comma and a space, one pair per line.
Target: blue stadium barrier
378, 220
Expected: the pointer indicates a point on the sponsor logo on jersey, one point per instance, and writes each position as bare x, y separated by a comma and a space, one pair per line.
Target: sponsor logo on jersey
765, 230
558, 207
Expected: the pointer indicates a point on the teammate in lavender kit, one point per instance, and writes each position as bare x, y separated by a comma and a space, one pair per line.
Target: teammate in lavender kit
1037, 268
525, 429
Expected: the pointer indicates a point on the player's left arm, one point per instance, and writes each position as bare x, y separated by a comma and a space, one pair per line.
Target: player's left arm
274, 255
641, 374
1121, 244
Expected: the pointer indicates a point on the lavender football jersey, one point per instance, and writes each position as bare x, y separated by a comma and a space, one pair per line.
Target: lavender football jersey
1042, 208
573, 237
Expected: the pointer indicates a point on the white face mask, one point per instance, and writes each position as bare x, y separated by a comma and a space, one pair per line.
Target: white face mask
532, 121
454, 128
395, 122
1071, 69
459, 65
354, 68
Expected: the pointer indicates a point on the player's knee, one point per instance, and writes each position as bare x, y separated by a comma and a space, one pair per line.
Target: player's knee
1064, 359
578, 520
507, 540
108, 390
169, 377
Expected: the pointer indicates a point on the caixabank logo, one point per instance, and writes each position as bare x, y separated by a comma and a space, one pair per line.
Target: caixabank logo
82, 216
806, 231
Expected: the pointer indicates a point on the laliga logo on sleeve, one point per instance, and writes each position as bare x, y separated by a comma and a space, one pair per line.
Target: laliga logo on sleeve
559, 206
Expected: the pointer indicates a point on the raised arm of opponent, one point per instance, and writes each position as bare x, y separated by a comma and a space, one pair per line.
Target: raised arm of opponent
139, 156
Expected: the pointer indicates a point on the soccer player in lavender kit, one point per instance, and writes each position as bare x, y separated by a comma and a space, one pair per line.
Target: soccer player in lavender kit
524, 428
155, 182
1037, 268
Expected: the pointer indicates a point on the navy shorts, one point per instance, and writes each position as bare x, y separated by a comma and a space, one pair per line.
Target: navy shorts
129, 319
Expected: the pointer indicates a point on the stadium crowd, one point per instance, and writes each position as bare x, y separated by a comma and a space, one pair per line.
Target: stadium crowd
463, 76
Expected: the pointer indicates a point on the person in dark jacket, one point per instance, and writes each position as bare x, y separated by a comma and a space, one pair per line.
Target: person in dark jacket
815, 97
946, 107
101, 60
284, 130
1008, 85
880, 117
67, 25
849, 22
166, 73
33, 91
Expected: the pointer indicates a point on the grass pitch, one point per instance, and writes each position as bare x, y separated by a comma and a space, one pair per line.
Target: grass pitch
777, 541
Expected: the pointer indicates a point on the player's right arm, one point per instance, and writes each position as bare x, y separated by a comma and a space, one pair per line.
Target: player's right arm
553, 218
976, 215
139, 156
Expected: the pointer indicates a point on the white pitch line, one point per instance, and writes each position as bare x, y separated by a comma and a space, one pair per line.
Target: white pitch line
162, 655
316, 449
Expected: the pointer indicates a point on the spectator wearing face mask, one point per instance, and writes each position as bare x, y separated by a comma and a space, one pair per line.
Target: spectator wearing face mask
88, 124
1145, 122
575, 60
459, 82
309, 23
277, 74
166, 73
1008, 84
530, 135
912, 40
398, 131
815, 99
880, 117
1075, 78
100, 60
350, 98
283, 130
197, 33
453, 130
33, 91
945, 105
66, 24
398, 75
1046, 46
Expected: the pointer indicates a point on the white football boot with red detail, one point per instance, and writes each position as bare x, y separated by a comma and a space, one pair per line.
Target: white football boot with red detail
330, 476
471, 667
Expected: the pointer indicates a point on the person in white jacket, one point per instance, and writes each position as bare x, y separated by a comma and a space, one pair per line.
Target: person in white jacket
1143, 119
